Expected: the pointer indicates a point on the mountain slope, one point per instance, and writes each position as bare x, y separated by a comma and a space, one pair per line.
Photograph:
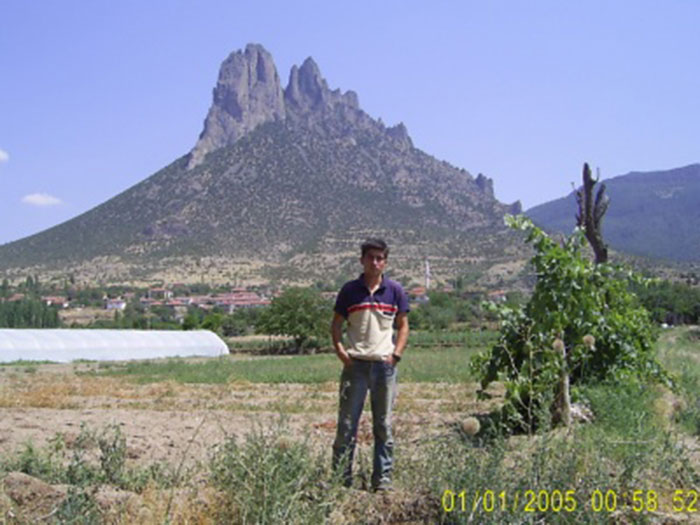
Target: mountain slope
653, 214
283, 178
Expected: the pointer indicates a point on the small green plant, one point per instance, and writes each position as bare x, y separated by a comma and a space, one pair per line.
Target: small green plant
78, 508
112, 444
43, 463
579, 309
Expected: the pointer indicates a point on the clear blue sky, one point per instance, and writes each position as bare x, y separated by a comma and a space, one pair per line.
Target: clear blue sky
96, 96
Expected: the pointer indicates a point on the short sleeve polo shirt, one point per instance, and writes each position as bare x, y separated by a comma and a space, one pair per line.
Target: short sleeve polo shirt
371, 317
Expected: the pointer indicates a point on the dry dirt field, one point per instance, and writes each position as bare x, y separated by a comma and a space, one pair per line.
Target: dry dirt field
179, 424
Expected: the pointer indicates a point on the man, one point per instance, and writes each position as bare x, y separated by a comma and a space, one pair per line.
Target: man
371, 305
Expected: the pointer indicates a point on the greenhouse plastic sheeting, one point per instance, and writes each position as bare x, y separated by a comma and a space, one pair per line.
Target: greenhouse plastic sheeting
65, 345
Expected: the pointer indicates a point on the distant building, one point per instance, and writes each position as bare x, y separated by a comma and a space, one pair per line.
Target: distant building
55, 300
159, 293
418, 294
146, 302
64, 345
239, 298
497, 295
115, 304
329, 295
417, 291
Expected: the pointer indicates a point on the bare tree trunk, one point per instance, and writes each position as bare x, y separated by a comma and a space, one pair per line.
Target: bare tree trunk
562, 404
590, 214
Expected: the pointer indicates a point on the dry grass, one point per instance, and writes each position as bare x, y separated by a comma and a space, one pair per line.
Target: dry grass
168, 421
63, 391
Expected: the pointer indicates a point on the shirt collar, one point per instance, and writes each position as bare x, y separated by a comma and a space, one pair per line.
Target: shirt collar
361, 279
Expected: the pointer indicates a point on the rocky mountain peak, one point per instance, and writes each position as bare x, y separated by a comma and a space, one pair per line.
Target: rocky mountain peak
307, 88
247, 94
400, 135
308, 91
485, 184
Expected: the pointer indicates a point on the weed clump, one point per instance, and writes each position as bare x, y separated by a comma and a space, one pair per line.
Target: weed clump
270, 478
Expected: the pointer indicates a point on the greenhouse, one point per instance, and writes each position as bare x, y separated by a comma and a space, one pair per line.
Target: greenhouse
66, 345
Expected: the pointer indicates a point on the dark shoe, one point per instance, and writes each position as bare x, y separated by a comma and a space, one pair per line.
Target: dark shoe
383, 486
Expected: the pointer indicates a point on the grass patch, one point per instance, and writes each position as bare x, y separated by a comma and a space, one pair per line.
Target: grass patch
464, 338
420, 365
564, 476
679, 351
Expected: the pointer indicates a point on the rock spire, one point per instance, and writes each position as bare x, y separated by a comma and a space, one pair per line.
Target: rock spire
248, 93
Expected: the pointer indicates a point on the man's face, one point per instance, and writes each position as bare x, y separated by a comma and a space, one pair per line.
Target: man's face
373, 262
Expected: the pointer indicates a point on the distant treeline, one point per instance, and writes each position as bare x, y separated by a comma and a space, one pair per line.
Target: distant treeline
28, 313
668, 302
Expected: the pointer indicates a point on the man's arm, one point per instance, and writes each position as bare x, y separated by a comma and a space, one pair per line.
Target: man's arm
337, 336
401, 336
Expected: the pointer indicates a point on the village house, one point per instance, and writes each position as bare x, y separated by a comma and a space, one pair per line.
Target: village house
55, 300
239, 298
115, 304
497, 295
160, 294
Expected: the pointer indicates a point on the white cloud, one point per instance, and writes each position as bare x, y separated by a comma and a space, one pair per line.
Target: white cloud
4, 156
41, 199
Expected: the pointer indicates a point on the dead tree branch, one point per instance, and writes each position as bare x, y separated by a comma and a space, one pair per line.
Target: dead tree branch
590, 213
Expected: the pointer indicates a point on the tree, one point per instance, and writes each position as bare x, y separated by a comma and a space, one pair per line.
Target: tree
300, 313
581, 320
590, 213
212, 321
191, 321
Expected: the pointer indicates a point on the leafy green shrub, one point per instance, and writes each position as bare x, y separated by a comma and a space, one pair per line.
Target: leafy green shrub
585, 307
443, 310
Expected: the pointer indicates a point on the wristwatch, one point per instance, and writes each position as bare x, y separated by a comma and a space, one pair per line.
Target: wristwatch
396, 357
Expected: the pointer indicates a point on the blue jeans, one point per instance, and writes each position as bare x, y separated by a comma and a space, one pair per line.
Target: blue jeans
380, 378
